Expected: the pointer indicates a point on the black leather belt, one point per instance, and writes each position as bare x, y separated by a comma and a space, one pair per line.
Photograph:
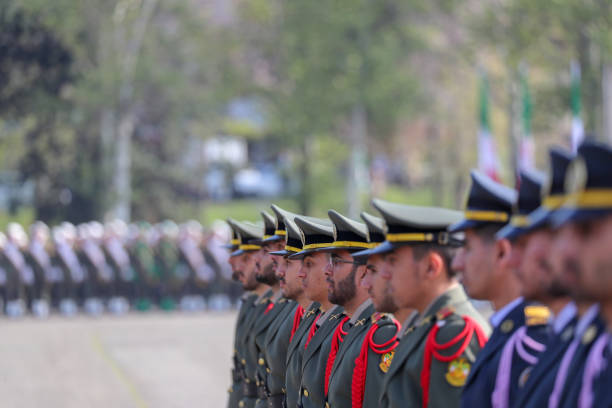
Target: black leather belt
249, 389
276, 401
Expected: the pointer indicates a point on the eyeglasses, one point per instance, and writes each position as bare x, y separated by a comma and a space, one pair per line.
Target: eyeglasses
334, 261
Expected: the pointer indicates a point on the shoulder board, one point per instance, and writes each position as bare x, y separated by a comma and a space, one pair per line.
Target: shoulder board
536, 315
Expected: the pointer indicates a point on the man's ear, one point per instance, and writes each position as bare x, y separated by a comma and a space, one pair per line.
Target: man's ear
435, 264
503, 252
360, 274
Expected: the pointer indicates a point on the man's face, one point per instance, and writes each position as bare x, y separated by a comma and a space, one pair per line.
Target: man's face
379, 285
538, 277
312, 273
340, 275
567, 246
233, 262
405, 282
265, 263
291, 285
596, 260
246, 270
476, 262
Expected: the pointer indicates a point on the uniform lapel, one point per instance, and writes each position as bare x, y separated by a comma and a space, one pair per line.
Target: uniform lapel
321, 334
354, 333
301, 330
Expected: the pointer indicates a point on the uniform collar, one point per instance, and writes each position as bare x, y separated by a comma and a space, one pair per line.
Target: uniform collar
360, 310
277, 296
586, 319
564, 317
326, 315
409, 322
445, 299
498, 316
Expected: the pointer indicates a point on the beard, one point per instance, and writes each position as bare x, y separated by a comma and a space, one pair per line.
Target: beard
386, 303
267, 276
250, 282
345, 290
292, 292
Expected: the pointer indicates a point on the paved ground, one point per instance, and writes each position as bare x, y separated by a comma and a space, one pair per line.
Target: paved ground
153, 360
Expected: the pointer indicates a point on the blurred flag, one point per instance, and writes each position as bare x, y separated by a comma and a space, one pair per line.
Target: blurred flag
577, 125
488, 161
526, 159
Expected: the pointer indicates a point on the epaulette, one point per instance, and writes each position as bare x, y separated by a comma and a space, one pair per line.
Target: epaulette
536, 315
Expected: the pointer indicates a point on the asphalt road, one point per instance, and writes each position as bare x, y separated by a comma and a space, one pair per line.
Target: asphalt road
152, 360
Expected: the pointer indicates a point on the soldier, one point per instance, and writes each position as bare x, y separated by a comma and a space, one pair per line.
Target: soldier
200, 272
147, 271
537, 236
119, 261
355, 365
318, 340
585, 182
378, 282
487, 268
527, 344
99, 274
20, 278
301, 324
283, 329
73, 275
45, 278
590, 206
246, 305
265, 272
433, 359
247, 256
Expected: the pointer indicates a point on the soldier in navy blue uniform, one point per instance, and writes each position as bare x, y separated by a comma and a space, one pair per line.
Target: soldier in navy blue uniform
537, 236
487, 267
584, 222
528, 343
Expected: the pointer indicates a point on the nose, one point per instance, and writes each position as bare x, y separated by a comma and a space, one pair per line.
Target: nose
301, 273
329, 269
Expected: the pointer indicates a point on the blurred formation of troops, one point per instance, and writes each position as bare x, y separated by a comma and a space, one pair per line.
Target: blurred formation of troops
116, 267
380, 312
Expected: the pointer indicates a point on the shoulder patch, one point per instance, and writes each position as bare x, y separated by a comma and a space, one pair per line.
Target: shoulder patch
536, 315
458, 371
385, 361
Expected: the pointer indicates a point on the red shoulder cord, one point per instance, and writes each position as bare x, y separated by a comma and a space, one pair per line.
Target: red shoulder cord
338, 338
432, 348
270, 307
297, 319
361, 362
312, 331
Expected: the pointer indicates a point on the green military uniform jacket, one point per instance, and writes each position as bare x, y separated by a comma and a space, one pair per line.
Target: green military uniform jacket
295, 355
246, 307
341, 377
402, 384
251, 355
315, 359
276, 344
264, 326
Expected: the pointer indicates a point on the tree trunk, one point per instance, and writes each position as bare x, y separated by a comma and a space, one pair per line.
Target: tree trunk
606, 86
357, 172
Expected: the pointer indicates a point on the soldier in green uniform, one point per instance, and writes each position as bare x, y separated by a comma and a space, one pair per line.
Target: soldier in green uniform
353, 373
285, 326
265, 267
318, 341
246, 304
433, 360
378, 282
247, 256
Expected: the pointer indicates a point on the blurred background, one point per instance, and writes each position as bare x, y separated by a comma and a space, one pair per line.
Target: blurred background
200, 109
130, 128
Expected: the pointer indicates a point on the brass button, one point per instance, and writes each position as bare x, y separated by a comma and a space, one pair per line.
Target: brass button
241, 404
327, 405
246, 380
507, 326
261, 361
243, 361
305, 392
284, 390
268, 370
